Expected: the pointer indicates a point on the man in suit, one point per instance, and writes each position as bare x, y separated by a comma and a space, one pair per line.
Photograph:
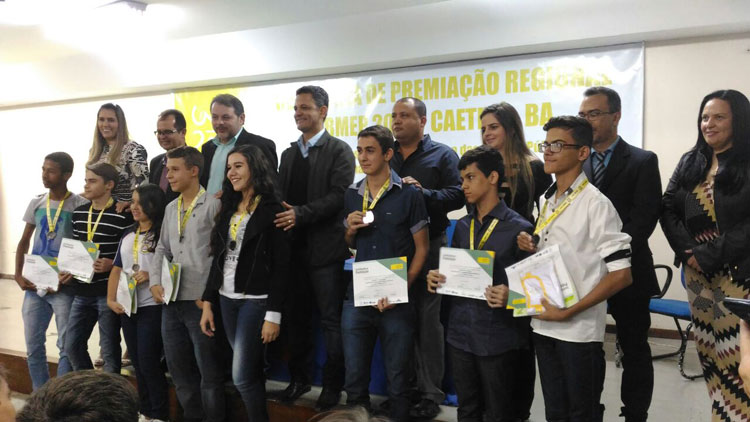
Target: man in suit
314, 174
170, 132
629, 177
227, 118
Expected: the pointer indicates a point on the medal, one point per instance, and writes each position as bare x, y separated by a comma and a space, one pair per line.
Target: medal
232, 244
369, 217
135, 268
237, 219
52, 223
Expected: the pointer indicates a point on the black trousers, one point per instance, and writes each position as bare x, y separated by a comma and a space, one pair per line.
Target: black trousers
487, 386
323, 286
571, 375
629, 308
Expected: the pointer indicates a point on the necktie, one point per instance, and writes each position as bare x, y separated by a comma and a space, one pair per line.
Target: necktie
163, 182
599, 167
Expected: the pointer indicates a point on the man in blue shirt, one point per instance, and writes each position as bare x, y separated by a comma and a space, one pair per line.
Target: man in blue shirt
433, 168
228, 118
386, 218
485, 342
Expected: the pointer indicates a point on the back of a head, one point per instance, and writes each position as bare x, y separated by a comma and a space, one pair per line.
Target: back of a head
83, 396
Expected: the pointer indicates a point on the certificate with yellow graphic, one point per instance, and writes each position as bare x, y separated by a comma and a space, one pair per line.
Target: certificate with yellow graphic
126, 295
77, 258
382, 278
170, 279
42, 271
542, 275
467, 272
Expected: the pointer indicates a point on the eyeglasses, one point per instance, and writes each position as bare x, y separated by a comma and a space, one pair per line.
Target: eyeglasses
555, 147
594, 114
165, 132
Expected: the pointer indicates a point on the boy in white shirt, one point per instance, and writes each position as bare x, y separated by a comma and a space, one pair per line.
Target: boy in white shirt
585, 225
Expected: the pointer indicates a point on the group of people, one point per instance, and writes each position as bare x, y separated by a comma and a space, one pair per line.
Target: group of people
260, 244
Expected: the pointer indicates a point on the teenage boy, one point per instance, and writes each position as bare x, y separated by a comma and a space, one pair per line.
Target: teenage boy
584, 224
485, 342
185, 231
386, 218
48, 219
98, 222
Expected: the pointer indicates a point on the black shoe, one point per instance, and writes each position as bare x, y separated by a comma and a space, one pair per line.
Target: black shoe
327, 399
294, 391
425, 409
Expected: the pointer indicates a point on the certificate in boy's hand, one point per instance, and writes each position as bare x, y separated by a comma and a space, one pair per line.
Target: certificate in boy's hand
42, 271
77, 258
467, 272
382, 278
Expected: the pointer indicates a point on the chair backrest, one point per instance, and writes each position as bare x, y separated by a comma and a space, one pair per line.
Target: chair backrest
449, 231
665, 287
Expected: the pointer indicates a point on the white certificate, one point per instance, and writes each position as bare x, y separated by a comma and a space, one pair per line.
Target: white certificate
383, 278
542, 275
126, 295
77, 258
42, 271
467, 272
170, 279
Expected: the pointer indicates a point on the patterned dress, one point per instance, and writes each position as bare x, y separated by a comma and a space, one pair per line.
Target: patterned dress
133, 168
716, 329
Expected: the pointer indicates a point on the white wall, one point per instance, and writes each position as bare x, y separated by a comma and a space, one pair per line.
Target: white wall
678, 74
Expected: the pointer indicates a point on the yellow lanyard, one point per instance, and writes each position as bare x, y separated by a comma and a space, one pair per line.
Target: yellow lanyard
540, 225
89, 230
366, 197
52, 222
486, 235
183, 220
135, 248
236, 222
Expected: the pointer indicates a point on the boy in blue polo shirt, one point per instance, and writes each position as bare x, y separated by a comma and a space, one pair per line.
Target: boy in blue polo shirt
394, 224
485, 342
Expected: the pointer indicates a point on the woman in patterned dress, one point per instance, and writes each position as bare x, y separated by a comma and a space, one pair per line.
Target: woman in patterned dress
112, 145
706, 220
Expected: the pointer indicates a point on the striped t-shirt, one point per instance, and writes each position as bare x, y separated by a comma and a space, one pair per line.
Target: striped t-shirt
108, 234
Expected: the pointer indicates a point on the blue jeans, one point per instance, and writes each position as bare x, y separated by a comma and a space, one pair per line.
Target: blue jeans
570, 374
198, 376
37, 313
142, 332
243, 321
84, 314
360, 327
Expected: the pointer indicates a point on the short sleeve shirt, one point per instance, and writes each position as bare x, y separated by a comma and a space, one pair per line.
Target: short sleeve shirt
124, 260
36, 214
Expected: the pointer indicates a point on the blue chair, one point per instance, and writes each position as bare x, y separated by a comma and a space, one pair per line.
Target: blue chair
678, 310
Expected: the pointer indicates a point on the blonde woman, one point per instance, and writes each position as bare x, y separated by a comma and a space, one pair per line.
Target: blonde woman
112, 145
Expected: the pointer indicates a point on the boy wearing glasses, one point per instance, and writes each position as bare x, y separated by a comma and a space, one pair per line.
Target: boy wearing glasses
584, 224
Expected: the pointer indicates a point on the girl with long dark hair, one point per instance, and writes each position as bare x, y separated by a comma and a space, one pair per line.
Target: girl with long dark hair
142, 329
249, 273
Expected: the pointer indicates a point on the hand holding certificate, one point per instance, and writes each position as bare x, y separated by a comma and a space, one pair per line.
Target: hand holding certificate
467, 272
126, 294
170, 280
77, 258
542, 275
42, 271
379, 279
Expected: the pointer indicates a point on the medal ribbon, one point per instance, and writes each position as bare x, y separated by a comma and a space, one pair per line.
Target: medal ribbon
540, 225
486, 235
90, 231
135, 248
235, 226
366, 197
52, 223
183, 220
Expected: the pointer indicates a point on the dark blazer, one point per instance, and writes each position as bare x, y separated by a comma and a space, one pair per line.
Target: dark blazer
731, 247
267, 146
264, 261
154, 176
331, 172
633, 185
